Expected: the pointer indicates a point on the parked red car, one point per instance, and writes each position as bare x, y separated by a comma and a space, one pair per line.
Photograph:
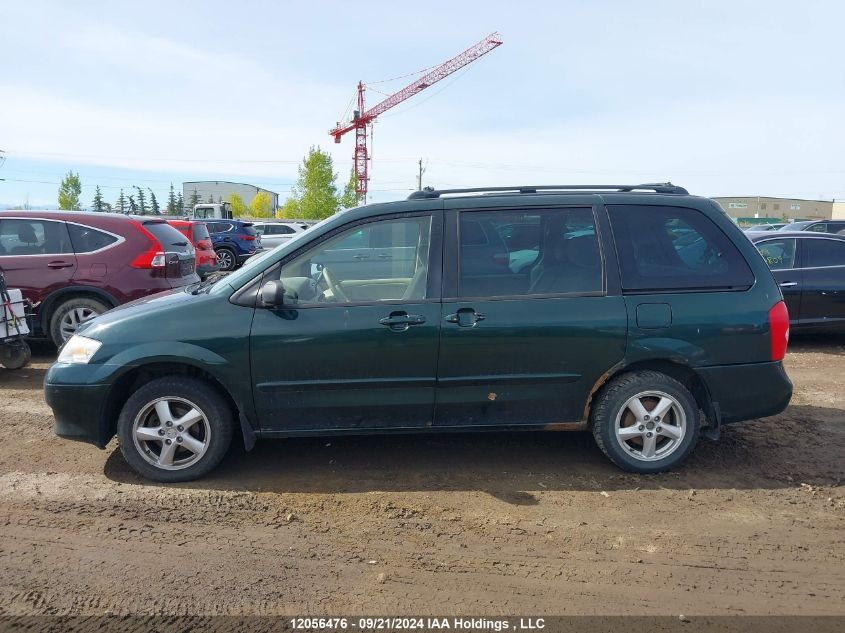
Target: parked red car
74, 266
197, 232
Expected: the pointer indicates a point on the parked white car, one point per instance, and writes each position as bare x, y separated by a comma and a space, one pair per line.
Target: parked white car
275, 233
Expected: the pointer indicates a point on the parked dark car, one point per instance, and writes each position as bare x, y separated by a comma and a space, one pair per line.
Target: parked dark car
197, 232
644, 315
234, 241
810, 269
818, 226
75, 266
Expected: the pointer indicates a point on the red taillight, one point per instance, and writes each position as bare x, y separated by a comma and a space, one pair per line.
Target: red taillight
205, 245
153, 257
149, 259
247, 238
779, 329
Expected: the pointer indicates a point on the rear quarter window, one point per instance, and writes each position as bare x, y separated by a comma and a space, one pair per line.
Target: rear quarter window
675, 248
87, 240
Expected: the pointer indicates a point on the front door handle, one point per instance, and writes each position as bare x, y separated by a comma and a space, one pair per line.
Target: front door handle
59, 264
401, 321
465, 317
788, 284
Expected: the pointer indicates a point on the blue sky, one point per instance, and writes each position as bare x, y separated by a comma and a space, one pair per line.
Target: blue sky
725, 98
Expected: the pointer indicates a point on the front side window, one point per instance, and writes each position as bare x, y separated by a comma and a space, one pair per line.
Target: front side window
675, 248
779, 254
33, 237
87, 240
528, 252
825, 252
385, 260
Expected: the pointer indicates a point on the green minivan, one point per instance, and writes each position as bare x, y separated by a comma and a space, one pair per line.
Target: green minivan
639, 313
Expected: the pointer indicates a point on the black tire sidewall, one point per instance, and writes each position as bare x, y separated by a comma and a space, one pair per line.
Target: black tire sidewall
614, 396
215, 408
66, 306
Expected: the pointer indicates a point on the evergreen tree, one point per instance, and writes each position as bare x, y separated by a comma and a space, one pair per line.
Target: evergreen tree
69, 191
133, 206
315, 192
180, 204
98, 204
194, 200
171, 201
120, 205
154, 208
210, 199
142, 202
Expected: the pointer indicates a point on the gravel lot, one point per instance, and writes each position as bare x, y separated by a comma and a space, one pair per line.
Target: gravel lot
451, 524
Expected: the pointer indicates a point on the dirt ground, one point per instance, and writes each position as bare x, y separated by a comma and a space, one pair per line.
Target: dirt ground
528, 523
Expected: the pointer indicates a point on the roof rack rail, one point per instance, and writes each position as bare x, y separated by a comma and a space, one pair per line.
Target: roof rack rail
658, 187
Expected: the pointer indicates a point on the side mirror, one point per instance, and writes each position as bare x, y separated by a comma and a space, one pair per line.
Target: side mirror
273, 294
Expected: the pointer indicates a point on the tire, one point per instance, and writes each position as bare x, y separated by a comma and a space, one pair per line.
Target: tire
197, 447
227, 259
70, 314
15, 355
631, 436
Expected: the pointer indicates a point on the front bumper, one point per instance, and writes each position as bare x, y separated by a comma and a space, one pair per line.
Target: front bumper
79, 410
748, 391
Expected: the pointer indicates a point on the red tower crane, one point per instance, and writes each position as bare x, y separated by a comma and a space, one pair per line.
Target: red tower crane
362, 118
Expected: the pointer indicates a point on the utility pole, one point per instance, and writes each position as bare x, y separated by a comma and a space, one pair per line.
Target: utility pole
420, 175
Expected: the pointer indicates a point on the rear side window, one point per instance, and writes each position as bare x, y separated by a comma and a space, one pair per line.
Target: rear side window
87, 240
675, 248
33, 237
200, 232
825, 252
779, 254
171, 240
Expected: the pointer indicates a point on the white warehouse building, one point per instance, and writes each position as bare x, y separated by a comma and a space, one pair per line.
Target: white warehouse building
220, 190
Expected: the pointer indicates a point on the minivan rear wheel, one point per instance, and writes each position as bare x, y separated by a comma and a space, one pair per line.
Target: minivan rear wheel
174, 428
72, 313
645, 422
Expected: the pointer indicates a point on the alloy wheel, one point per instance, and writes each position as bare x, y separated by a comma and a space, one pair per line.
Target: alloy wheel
171, 433
74, 318
650, 426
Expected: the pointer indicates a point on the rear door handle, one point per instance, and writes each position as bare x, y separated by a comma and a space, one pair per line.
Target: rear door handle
401, 321
465, 317
788, 284
59, 264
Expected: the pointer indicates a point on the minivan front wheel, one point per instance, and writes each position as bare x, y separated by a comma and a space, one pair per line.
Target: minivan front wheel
174, 428
645, 422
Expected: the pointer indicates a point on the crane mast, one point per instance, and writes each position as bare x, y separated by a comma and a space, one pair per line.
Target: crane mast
363, 118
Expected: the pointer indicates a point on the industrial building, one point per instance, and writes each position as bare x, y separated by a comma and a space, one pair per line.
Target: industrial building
778, 209
220, 190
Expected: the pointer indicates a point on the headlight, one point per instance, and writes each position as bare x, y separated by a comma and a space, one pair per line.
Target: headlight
78, 350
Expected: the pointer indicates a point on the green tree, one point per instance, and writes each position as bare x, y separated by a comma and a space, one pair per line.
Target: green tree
239, 208
133, 206
154, 204
210, 199
315, 191
290, 209
69, 191
120, 205
262, 205
171, 201
98, 204
350, 198
180, 204
142, 202
194, 200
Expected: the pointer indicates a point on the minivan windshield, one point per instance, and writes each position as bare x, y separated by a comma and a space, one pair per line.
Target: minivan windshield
258, 263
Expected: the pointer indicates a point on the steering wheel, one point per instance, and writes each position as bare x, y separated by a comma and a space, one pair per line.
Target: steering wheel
331, 284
